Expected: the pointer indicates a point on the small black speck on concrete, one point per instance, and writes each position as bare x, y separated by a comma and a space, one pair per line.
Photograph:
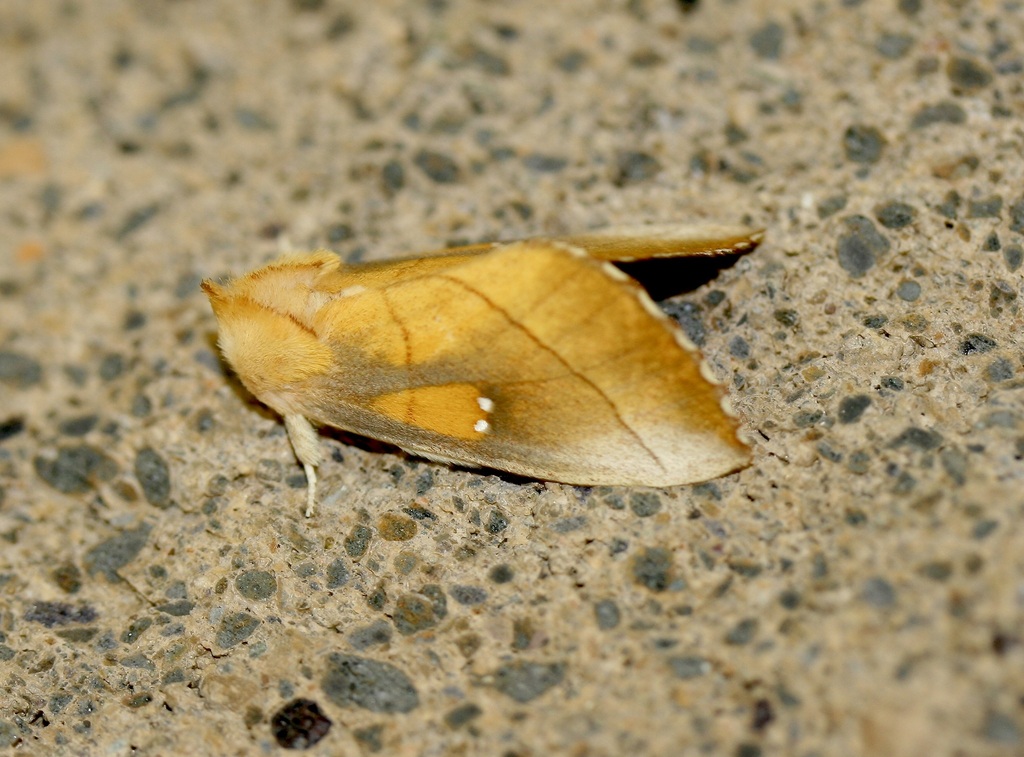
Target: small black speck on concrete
525, 681
300, 724
372, 685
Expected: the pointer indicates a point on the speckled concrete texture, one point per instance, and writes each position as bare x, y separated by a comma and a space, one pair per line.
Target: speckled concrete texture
859, 589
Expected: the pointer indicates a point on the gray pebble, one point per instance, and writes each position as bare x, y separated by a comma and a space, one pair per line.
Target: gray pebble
109, 556
879, 593
468, 595
357, 541
372, 685
859, 248
688, 667
154, 477
75, 469
863, 144
967, 75
908, 291
742, 633
236, 628
542, 163
607, 614
634, 167
653, 568
18, 370
439, 168
378, 632
947, 112
895, 214
524, 681
256, 584
337, 574
768, 40
919, 438
999, 369
52, 614
644, 504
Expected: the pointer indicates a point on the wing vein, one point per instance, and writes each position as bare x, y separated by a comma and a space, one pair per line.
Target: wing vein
565, 364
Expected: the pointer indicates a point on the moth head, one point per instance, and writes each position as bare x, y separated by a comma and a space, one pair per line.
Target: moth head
263, 333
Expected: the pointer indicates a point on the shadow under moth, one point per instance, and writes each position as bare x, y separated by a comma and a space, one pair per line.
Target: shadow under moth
536, 357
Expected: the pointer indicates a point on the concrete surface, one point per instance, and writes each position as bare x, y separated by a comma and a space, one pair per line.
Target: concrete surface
858, 590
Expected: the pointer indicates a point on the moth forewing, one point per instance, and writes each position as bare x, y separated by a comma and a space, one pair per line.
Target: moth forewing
533, 357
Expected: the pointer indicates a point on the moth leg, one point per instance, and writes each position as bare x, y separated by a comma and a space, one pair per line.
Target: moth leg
306, 444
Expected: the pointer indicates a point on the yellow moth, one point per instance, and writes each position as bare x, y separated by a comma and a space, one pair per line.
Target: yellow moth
536, 357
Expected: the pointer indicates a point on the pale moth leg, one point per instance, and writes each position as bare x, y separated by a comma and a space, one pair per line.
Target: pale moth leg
306, 444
